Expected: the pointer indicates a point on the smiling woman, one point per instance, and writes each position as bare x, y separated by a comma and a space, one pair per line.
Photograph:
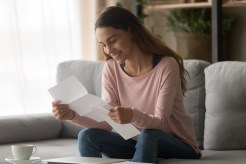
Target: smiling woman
35, 37
143, 80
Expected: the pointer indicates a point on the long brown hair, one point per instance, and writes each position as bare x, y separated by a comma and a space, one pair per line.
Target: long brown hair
120, 18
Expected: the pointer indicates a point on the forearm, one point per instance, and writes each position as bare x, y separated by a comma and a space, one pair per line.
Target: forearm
145, 121
90, 123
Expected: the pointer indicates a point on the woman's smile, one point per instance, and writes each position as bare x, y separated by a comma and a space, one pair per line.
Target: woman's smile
116, 56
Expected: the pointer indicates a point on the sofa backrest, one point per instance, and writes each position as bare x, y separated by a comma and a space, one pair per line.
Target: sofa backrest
194, 100
90, 73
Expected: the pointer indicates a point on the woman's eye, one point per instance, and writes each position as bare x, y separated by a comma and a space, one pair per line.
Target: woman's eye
112, 41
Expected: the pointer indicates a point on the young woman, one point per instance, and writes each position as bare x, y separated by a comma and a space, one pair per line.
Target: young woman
143, 80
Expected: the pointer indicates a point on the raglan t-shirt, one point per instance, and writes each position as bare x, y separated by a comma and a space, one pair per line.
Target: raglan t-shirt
155, 97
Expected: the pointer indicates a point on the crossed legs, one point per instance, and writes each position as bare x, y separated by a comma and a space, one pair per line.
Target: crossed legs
150, 145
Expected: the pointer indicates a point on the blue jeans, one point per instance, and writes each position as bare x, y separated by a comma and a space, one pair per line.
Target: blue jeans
150, 145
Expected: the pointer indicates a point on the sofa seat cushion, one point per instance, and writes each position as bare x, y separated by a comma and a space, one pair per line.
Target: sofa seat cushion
46, 149
225, 121
212, 157
29, 128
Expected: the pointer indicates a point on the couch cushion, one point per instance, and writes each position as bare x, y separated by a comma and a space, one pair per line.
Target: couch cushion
212, 157
28, 128
89, 73
225, 121
194, 99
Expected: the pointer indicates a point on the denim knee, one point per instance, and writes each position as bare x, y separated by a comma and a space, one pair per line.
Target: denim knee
146, 147
85, 134
148, 134
146, 138
87, 143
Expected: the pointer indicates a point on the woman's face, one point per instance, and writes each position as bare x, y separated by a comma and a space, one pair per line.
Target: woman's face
116, 43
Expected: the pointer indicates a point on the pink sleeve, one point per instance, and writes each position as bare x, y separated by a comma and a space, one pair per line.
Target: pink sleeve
109, 87
165, 101
169, 90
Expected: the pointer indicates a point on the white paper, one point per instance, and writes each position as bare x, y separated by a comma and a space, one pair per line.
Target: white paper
73, 93
68, 91
125, 130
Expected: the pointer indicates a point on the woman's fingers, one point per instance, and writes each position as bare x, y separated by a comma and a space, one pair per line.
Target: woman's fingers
62, 106
113, 114
121, 115
60, 111
55, 102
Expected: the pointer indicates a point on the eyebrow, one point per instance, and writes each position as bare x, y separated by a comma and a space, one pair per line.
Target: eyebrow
109, 38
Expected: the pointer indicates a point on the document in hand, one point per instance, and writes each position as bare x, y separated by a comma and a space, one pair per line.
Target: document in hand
72, 92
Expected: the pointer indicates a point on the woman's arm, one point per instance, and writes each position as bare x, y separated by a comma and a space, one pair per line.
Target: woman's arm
90, 123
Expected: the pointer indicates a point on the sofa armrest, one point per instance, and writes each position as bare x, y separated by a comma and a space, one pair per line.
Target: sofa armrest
28, 128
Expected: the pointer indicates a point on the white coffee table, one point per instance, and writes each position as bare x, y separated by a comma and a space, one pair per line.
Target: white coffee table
82, 160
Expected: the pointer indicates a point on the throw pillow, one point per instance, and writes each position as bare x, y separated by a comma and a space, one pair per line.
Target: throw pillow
225, 120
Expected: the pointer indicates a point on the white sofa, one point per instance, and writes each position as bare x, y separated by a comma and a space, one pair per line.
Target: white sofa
219, 127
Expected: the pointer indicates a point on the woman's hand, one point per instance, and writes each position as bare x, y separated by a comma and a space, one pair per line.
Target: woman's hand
121, 115
62, 111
